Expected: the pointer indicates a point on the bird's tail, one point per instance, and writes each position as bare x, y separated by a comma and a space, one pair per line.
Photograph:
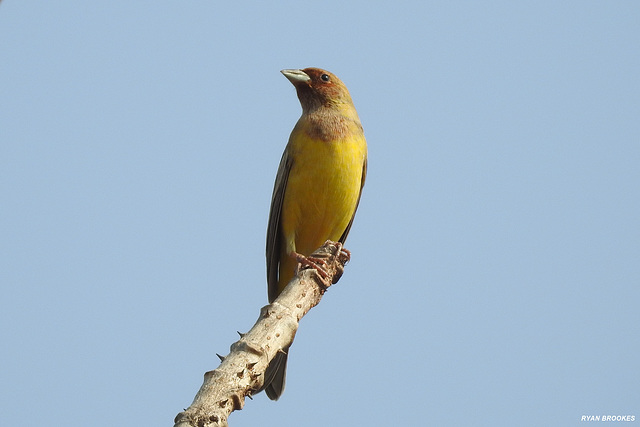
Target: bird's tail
275, 376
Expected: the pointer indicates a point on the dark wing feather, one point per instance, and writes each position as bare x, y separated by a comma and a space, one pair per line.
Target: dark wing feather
274, 237
364, 176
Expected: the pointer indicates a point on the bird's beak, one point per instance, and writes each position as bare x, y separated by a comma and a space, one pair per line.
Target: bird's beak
296, 76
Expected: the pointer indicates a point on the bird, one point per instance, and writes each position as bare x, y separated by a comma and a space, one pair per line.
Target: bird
317, 187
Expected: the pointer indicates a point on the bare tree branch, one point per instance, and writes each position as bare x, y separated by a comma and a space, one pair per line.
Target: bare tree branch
241, 373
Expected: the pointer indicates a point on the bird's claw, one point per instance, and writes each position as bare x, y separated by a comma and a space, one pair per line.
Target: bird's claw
318, 264
320, 259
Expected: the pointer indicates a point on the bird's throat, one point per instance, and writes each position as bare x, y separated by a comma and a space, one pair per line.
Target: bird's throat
328, 125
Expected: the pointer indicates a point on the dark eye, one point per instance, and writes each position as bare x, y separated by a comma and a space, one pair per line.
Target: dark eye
325, 77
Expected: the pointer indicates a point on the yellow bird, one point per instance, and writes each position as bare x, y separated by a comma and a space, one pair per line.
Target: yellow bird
317, 188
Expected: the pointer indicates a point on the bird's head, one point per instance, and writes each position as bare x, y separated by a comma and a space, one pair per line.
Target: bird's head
319, 88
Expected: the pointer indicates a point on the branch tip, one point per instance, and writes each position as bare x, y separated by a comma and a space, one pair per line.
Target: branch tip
243, 372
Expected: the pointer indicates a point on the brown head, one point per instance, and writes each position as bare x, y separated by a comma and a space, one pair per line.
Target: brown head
319, 88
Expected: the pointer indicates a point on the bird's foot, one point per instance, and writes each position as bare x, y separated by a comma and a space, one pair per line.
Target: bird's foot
334, 249
320, 260
317, 263
344, 252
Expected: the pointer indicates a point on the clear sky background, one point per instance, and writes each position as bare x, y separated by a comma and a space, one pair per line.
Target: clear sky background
495, 277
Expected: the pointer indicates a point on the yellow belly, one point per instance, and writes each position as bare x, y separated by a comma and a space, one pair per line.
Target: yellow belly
321, 196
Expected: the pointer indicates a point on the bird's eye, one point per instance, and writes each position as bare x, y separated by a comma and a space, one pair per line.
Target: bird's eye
325, 77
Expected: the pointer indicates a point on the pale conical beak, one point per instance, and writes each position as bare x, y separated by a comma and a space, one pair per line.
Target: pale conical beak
296, 76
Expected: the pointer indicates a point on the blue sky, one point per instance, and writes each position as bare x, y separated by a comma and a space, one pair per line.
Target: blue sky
495, 271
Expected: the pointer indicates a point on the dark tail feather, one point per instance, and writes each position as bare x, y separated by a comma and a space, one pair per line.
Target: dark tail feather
275, 376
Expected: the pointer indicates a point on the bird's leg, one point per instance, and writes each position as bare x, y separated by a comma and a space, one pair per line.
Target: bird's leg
320, 258
316, 263
339, 250
345, 251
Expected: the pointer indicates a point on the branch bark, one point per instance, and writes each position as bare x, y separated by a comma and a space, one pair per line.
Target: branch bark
241, 373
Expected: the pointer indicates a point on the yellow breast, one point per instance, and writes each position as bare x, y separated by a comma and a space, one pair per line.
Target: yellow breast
322, 192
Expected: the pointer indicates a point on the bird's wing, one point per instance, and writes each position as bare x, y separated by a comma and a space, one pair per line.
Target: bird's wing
364, 176
274, 237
